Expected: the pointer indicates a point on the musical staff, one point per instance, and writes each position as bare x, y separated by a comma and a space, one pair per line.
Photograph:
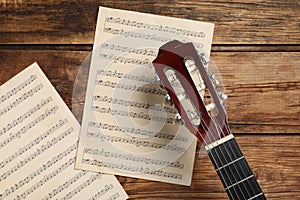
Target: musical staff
128, 168
136, 159
26, 115
135, 115
120, 76
82, 186
37, 172
156, 91
45, 179
99, 194
138, 132
126, 49
159, 28
137, 142
65, 185
36, 154
125, 60
114, 196
39, 139
144, 36
25, 96
17, 89
28, 127
135, 35
34, 142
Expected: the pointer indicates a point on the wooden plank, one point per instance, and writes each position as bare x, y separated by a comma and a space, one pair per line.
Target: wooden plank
275, 161
73, 22
263, 88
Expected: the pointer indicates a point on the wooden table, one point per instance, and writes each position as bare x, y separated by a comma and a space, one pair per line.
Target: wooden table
256, 45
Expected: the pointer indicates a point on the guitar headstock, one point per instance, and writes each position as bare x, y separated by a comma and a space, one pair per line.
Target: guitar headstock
192, 90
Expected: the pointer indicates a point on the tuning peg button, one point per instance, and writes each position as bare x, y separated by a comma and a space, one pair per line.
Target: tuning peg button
156, 78
214, 79
179, 118
168, 98
212, 75
222, 96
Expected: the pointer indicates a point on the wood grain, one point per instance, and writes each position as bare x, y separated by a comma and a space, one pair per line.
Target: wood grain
273, 167
263, 87
256, 46
73, 22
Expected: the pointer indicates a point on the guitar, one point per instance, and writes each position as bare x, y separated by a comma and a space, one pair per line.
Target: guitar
193, 91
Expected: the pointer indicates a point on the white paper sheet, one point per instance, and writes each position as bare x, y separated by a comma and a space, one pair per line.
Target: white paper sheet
38, 143
127, 127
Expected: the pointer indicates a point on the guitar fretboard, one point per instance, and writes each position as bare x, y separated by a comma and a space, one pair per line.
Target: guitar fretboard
233, 170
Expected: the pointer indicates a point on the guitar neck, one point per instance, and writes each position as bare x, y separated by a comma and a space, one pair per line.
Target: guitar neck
233, 170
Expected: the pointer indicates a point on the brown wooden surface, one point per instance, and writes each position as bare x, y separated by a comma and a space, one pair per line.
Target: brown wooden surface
256, 46
73, 22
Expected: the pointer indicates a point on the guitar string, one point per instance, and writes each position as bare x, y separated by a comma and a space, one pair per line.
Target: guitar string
222, 133
231, 147
226, 149
242, 168
234, 154
213, 157
243, 171
220, 130
217, 155
221, 174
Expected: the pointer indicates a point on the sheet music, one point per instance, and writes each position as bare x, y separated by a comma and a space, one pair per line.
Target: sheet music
128, 129
38, 143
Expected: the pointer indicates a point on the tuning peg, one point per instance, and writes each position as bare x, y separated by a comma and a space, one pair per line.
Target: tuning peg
179, 118
190, 65
156, 78
222, 96
189, 62
210, 106
224, 103
168, 98
213, 78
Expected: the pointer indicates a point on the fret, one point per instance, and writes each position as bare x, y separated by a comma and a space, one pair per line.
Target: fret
236, 171
233, 170
245, 190
230, 163
239, 182
256, 196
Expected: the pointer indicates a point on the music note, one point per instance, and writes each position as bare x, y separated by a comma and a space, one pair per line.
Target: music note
124, 106
38, 143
